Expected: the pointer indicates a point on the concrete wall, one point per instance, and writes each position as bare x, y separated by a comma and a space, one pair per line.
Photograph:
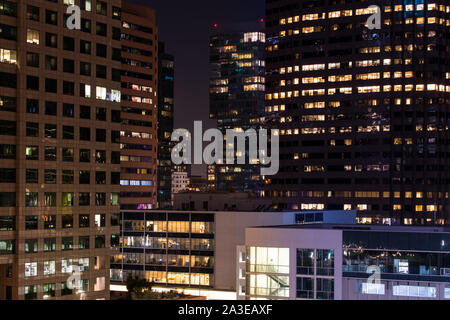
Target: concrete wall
294, 238
230, 232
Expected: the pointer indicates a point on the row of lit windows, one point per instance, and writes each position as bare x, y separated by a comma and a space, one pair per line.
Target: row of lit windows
346, 65
362, 11
363, 194
388, 22
360, 90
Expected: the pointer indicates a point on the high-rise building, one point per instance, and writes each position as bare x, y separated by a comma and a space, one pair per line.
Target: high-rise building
165, 125
59, 149
139, 114
363, 113
237, 95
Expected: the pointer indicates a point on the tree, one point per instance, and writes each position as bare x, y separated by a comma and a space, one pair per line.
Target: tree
137, 286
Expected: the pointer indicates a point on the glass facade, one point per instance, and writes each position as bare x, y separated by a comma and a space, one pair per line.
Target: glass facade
267, 272
168, 248
237, 84
315, 274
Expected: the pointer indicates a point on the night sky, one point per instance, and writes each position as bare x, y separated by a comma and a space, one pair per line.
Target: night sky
185, 27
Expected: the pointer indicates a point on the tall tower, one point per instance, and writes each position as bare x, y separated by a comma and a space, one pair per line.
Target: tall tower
237, 95
139, 114
166, 77
60, 99
363, 113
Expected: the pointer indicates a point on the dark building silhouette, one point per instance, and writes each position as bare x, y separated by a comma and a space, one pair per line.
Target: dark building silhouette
166, 74
237, 95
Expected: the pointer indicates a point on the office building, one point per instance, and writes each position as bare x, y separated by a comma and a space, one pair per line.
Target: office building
138, 141
363, 114
344, 262
166, 74
60, 100
237, 96
192, 249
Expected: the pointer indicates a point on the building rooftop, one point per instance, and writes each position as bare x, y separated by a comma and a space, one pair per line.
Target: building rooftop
425, 229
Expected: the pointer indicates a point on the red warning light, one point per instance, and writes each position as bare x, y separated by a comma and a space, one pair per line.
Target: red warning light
215, 25
262, 20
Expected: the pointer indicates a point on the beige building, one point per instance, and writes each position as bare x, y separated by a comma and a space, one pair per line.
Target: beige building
60, 94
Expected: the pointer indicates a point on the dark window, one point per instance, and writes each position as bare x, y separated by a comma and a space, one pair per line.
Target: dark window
8, 8
32, 13
32, 82
85, 134
67, 221
115, 136
68, 66
68, 88
67, 154
51, 40
85, 200
115, 177
116, 54
116, 33
31, 176
68, 110
7, 128
85, 68
32, 59
85, 112
50, 108
8, 32
83, 242
115, 116
86, 25
50, 153
32, 129
50, 131
51, 17
67, 176
100, 71
31, 222
115, 219
7, 175
100, 135
9, 80
50, 176
115, 74
100, 114
68, 132
85, 47
69, 43
99, 242
115, 157
100, 177
85, 177
7, 199
32, 106
100, 199
51, 63
101, 8
101, 50
85, 155
51, 85
100, 29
